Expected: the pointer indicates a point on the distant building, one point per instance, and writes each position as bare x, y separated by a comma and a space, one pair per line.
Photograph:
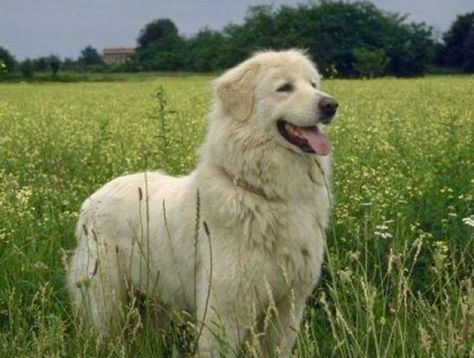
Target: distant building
117, 55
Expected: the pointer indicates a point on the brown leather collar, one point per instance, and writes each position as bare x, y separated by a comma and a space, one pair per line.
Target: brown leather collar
243, 184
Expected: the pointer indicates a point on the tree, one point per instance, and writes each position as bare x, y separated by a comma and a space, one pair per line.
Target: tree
370, 63
411, 49
162, 32
205, 51
457, 43
333, 30
334, 33
345, 38
70, 64
90, 57
160, 47
41, 64
7, 59
27, 69
468, 63
54, 64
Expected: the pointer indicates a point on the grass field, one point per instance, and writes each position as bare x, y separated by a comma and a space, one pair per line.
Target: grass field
399, 272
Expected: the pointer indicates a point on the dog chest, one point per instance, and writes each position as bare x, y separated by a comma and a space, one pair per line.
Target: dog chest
299, 255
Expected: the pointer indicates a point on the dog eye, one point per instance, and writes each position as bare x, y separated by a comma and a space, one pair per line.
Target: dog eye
314, 85
287, 87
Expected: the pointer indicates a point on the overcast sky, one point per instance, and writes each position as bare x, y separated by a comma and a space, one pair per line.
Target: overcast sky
31, 28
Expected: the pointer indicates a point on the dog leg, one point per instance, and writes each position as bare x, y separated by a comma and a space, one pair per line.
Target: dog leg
95, 284
283, 327
224, 327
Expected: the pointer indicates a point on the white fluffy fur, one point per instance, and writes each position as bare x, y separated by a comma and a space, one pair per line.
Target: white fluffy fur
267, 249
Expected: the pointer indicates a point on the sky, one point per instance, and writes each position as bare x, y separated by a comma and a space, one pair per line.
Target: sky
32, 28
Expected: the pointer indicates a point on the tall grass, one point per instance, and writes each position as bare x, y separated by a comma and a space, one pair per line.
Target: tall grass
398, 275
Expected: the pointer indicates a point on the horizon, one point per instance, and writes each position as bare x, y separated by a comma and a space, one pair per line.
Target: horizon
32, 30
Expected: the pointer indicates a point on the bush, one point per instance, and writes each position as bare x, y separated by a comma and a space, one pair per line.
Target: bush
7, 60
458, 48
27, 69
370, 63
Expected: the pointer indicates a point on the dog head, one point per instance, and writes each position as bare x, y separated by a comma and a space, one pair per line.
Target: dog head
278, 94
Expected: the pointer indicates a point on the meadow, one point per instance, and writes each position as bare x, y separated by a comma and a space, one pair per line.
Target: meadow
398, 280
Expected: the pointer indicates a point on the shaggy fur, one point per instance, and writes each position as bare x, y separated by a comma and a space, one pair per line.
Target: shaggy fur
265, 203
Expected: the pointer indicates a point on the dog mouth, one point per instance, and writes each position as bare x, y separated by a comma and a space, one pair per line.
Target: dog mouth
309, 139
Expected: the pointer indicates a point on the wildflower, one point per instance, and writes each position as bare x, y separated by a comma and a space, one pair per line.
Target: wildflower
440, 256
382, 231
40, 265
383, 235
354, 255
346, 275
469, 221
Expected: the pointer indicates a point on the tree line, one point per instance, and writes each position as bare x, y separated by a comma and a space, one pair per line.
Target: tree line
346, 39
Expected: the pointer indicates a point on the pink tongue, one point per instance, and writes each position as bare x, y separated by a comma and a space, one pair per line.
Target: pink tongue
316, 140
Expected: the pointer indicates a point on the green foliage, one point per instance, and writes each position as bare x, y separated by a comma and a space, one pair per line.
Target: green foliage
159, 47
90, 57
41, 64
69, 64
347, 39
27, 69
458, 48
336, 29
7, 60
161, 32
398, 273
468, 63
204, 51
333, 32
369, 63
54, 63
411, 50
155, 58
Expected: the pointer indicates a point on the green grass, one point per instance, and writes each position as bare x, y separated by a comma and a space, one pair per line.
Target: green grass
70, 76
398, 275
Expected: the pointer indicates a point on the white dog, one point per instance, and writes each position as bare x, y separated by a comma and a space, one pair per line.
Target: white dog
246, 267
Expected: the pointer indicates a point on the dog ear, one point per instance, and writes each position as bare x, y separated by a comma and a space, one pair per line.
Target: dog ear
235, 89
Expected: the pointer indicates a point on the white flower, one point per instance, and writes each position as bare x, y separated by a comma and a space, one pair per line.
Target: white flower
469, 220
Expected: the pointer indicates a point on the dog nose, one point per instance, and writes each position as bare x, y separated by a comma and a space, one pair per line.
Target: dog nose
327, 108
328, 105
